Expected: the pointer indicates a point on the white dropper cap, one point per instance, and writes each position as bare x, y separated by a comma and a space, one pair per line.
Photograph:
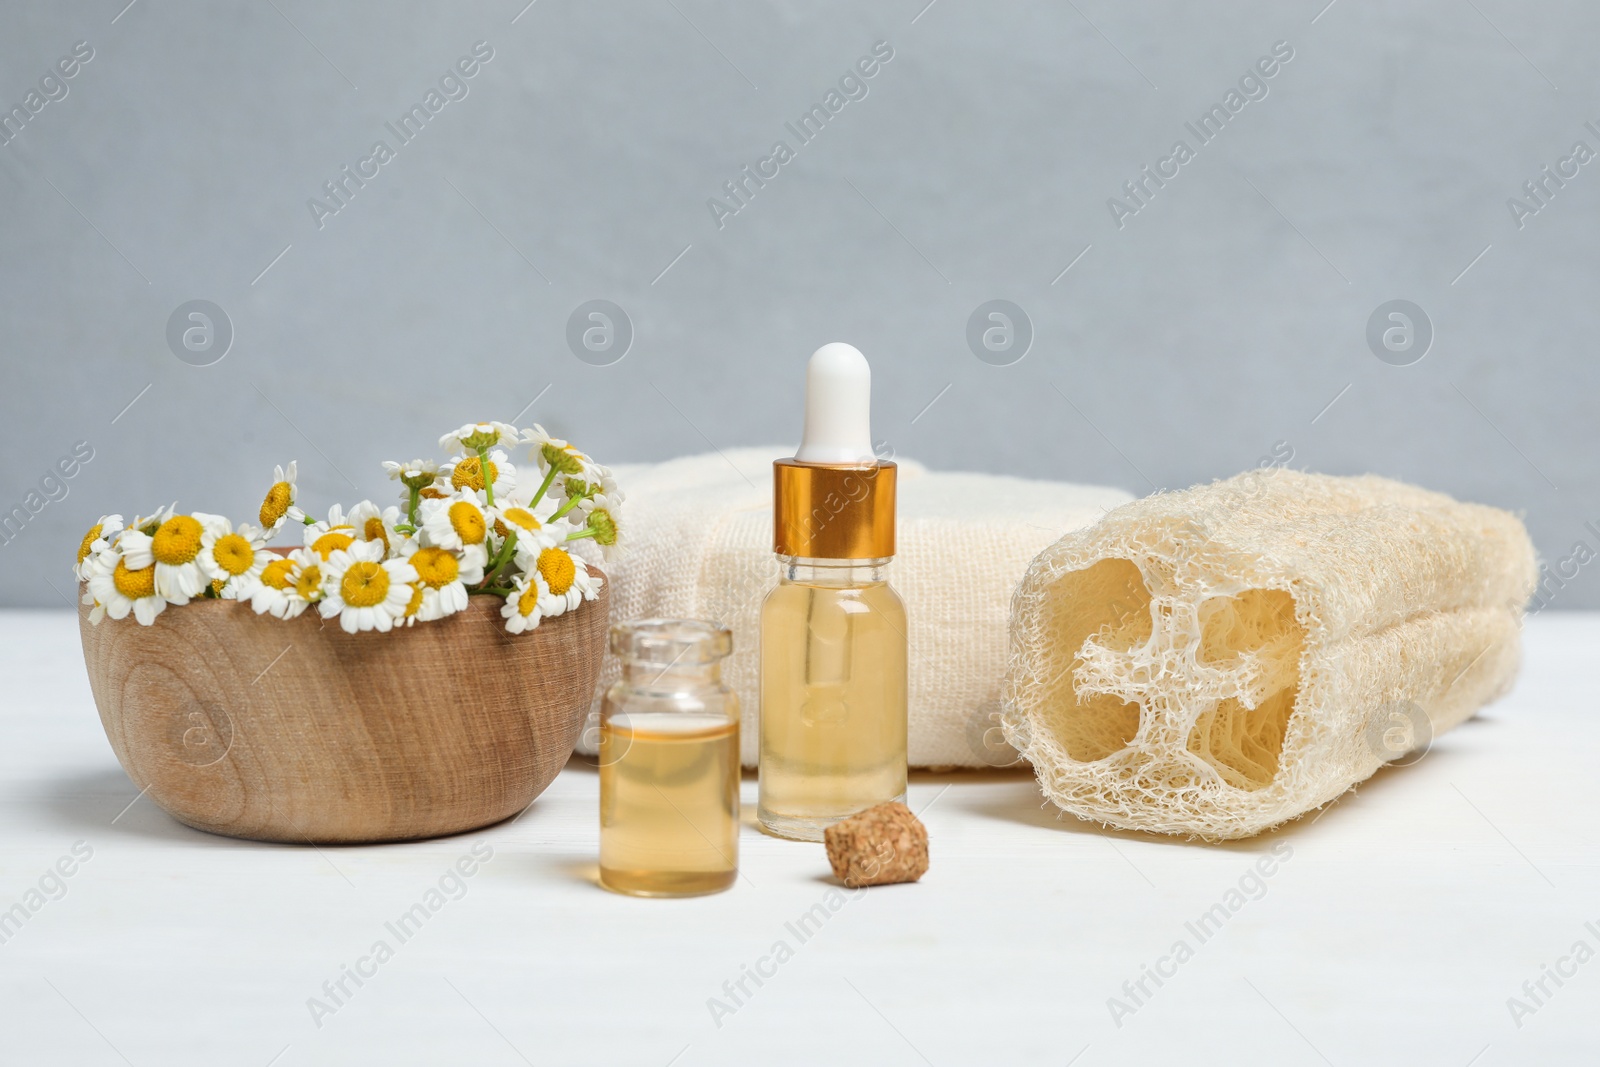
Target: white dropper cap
838, 407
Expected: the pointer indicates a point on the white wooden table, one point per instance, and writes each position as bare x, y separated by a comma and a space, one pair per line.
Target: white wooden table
1393, 929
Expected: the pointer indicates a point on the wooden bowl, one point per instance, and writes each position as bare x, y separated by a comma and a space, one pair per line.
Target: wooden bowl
295, 731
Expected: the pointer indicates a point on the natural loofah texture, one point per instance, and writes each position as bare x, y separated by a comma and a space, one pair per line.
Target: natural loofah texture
1216, 661
700, 547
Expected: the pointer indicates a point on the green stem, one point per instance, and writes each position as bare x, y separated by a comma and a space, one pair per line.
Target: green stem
587, 531
493, 590
501, 558
568, 506
483, 471
411, 508
549, 477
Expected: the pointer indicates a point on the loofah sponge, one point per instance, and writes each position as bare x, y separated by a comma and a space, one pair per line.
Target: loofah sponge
700, 547
1216, 661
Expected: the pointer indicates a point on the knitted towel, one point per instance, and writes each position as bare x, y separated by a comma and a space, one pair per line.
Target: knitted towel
700, 546
1217, 661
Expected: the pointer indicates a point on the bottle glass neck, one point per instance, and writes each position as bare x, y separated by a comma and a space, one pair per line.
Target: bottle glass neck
671, 677
840, 572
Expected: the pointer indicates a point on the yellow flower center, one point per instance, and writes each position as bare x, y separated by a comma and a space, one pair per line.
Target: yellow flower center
308, 583
276, 573
467, 474
331, 542
558, 570
364, 585
467, 521
414, 605
529, 600
435, 567
431, 493
134, 585
177, 541
89, 539
522, 517
234, 553
373, 531
276, 505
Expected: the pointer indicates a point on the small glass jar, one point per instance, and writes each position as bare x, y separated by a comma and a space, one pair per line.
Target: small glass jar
669, 762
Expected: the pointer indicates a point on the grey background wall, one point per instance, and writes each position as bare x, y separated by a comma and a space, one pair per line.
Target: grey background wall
1222, 325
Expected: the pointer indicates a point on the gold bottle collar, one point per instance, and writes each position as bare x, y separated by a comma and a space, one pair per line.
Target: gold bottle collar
828, 511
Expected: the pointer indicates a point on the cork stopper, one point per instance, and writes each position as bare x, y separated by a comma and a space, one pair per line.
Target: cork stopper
879, 846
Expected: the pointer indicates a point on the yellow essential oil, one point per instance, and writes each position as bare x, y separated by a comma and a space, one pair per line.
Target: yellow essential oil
833, 697
669, 804
669, 763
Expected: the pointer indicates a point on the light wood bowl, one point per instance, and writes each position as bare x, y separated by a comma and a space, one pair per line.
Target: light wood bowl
250, 726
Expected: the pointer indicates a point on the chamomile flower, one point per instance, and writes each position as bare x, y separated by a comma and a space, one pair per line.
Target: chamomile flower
232, 557
418, 474
443, 576
413, 605
98, 563
274, 590
553, 452
415, 478
457, 523
149, 524
522, 611
462, 527
475, 436
367, 523
174, 548
529, 528
121, 589
97, 610
588, 585
280, 499
364, 591
101, 536
603, 484
466, 475
309, 576
327, 536
600, 514
567, 582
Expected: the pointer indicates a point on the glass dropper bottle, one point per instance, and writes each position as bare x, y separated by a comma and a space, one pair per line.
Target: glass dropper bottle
833, 632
